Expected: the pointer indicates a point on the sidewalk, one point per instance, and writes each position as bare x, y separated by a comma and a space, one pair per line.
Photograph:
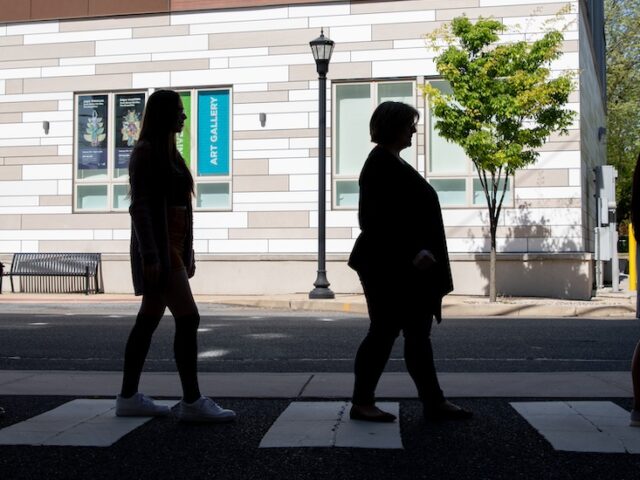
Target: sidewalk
604, 304
325, 385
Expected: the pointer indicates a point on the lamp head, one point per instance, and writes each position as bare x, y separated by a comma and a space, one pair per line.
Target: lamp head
322, 48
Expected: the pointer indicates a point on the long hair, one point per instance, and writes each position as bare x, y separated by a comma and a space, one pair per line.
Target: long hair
157, 134
635, 200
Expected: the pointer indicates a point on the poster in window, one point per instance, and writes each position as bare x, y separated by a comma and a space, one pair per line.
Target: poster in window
129, 109
92, 132
183, 139
213, 133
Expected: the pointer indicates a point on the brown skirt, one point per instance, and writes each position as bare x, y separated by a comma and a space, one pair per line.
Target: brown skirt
177, 223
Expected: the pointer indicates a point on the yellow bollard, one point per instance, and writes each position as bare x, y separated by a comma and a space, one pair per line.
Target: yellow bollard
633, 274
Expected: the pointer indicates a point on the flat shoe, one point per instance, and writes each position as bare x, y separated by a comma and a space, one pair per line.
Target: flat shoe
379, 417
447, 411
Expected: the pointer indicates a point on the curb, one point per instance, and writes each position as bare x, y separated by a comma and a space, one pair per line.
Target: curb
452, 310
353, 304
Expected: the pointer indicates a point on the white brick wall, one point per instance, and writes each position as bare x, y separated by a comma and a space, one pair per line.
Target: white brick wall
53, 234
225, 16
69, 71
251, 26
140, 57
65, 37
373, 18
230, 76
39, 187
32, 28
357, 33
278, 166
46, 172
257, 69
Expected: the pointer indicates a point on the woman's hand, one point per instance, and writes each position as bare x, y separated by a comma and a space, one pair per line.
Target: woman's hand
424, 260
191, 271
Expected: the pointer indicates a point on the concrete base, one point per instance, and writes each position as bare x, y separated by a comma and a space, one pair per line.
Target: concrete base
557, 275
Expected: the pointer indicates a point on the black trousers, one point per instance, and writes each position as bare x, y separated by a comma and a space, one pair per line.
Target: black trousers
394, 307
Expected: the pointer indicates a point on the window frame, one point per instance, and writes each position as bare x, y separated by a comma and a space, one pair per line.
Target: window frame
110, 181
193, 161
373, 83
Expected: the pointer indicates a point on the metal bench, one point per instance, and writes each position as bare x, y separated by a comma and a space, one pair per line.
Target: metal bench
56, 272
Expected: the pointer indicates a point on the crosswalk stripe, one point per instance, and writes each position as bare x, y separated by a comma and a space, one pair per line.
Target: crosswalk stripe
582, 426
327, 424
81, 422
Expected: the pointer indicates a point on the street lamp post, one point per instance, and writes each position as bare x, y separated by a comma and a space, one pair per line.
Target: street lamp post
322, 47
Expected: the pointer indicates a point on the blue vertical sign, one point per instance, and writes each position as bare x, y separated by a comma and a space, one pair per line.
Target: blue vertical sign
213, 132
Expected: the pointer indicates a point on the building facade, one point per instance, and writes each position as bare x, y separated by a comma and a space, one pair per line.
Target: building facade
74, 79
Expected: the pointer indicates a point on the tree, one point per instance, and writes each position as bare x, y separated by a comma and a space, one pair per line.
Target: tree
502, 107
622, 31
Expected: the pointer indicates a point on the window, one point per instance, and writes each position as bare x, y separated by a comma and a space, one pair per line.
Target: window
353, 105
107, 127
449, 170
208, 127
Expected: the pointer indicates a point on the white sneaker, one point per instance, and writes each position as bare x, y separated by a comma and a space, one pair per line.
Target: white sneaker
139, 405
204, 410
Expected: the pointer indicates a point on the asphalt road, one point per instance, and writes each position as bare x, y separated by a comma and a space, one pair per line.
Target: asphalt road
243, 340
497, 444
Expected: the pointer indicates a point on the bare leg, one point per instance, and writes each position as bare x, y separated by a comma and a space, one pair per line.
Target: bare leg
185, 346
151, 311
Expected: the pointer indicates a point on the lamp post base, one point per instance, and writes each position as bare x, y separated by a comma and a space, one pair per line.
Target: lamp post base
322, 293
322, 289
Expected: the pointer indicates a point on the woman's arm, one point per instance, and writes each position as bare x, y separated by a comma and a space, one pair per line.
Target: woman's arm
144, 200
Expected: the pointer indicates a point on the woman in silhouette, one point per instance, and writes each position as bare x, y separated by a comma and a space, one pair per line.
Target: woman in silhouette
402, 261
162, 262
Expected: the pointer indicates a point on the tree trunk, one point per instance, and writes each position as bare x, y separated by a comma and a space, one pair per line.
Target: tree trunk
492, 267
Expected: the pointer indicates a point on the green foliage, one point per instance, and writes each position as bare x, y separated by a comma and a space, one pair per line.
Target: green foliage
622, 30
504, 104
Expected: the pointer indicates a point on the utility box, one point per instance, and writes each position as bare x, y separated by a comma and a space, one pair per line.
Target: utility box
606, 234
606, 192
603, 244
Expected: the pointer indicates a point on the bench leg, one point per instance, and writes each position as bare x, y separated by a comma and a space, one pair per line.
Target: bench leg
86, 280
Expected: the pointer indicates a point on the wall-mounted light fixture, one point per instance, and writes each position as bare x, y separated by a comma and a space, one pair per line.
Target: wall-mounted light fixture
263, 119
45, 127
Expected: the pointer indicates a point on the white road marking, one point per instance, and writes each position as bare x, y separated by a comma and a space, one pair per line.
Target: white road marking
327, 424
213, 353
267, 336
582, 426
82, 422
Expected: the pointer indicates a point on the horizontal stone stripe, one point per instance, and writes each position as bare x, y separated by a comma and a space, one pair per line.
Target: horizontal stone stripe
76, 221
156, 66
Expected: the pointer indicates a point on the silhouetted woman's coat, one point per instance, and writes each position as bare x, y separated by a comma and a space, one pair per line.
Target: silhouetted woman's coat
150, 187
399, 215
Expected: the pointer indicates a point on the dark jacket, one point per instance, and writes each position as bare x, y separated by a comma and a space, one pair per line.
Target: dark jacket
149, 226
399, 215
